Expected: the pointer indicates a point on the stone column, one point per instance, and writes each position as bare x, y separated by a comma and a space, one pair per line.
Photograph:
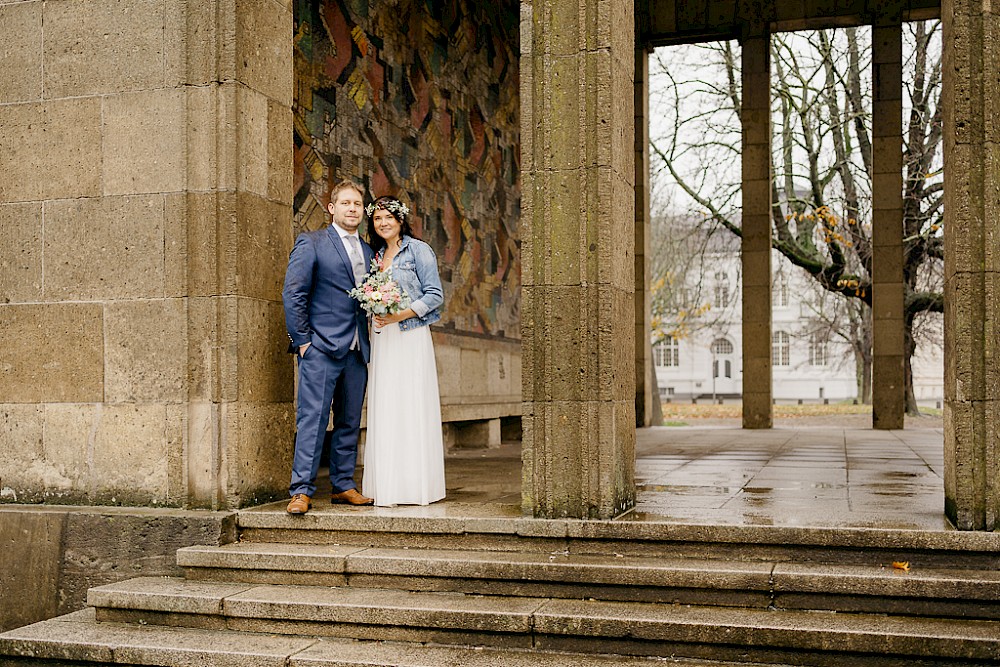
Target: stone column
971, 80
235, 219
646, 395
756, 241
145, 217
888, 383
577, 308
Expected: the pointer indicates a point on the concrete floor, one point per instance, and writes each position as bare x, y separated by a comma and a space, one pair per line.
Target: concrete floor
809, 476
803, 476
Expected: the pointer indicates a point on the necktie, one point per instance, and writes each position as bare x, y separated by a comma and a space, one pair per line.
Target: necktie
358, 265
357, 259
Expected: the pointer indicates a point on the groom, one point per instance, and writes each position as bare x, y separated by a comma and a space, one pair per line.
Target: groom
329, 333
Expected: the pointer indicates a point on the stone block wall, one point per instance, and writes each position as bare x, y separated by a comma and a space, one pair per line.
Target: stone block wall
478, 378
50, 556
145, 212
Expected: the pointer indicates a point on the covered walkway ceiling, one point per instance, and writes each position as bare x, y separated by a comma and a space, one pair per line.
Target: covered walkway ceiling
663, 22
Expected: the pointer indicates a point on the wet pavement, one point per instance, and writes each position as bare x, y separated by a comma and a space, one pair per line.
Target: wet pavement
808, 476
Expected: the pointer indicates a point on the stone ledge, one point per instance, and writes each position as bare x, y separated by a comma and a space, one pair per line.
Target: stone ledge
699, 581
78, 637
165, 594
289, 557
641, 627
455, 519
527, 567
338, 653
854, 633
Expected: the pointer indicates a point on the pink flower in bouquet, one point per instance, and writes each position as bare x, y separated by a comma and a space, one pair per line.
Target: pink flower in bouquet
379, 294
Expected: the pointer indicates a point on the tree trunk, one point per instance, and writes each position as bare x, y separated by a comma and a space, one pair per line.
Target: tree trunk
910, 347
866, 381
861, 344
863, 369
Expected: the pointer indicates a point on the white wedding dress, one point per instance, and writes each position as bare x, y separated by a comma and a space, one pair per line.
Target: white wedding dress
404, 451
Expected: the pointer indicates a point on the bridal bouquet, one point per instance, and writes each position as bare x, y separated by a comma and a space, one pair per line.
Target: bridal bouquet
379, 294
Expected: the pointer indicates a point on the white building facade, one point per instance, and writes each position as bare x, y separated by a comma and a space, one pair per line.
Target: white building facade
811, 362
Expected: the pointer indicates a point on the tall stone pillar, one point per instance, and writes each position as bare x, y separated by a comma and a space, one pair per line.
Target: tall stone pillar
971, 79
888, 383
235, 222
145, 217
646, 395
578, 277
756, 241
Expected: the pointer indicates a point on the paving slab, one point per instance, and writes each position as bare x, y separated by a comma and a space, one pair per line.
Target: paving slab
293, 557
165, 594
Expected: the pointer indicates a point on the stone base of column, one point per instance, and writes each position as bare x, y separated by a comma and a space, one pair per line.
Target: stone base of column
579, 459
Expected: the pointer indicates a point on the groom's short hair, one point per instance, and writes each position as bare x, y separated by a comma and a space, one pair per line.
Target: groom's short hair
346, 184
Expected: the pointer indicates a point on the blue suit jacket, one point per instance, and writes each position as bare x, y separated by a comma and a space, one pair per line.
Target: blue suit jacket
318, 309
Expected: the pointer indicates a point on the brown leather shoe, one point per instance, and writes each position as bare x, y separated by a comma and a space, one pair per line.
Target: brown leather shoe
299, 504
350, 497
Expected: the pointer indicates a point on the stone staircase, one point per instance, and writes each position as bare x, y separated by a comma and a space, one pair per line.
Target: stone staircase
371, 587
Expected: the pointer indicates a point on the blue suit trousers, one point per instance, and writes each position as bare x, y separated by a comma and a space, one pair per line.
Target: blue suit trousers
325, 383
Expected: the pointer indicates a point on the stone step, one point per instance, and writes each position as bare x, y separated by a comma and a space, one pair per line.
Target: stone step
78, 638
855, 588
586, 626
505, 530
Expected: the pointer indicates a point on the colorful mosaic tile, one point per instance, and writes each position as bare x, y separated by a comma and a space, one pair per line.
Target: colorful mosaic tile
419, 99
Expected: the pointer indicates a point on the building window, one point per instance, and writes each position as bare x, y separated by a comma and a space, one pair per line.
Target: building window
667, 353
722, 346
780, 291
722, 368
780, 349
818, 352
721, 289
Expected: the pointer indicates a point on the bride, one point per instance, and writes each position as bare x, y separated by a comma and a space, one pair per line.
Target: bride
404, 452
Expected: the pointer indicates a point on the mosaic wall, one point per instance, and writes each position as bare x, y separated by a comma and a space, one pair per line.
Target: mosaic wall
419, 99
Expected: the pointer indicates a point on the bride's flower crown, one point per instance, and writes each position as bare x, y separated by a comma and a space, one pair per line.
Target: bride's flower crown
394, 206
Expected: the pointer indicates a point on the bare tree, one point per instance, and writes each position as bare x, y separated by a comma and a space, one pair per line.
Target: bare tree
833, 316
685, 298
822, 164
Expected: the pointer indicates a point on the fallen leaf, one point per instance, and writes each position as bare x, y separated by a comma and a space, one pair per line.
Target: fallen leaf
901, 565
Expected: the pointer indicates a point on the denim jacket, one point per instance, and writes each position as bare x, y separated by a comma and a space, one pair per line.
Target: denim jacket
415, 269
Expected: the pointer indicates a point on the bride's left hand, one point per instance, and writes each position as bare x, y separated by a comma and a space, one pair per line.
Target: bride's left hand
385, 320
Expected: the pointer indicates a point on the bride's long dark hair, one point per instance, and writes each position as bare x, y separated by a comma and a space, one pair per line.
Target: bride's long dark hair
387, 204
